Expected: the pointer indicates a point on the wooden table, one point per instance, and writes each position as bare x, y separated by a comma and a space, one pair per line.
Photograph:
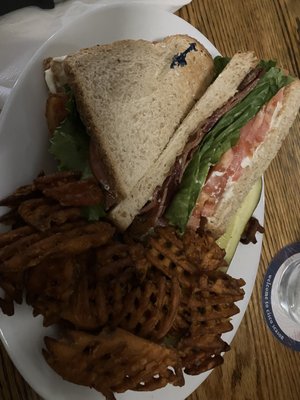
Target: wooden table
258, 367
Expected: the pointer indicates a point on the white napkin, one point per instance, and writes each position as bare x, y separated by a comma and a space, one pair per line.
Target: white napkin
23, 31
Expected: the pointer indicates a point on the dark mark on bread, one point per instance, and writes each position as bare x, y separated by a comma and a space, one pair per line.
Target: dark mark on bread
179, 60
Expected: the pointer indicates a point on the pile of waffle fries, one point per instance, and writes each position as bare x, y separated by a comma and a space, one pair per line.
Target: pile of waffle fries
148, 310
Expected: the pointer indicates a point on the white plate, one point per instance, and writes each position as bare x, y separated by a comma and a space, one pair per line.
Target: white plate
23, 153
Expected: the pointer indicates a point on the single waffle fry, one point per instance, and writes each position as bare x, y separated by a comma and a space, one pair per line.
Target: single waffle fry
70, 242
18, 248
50, 286
150, 308
186, 257
209, 312
220, 282
204, 364
11, 218
21, 194
79, 193
12, 284
81, 310
201, 249
201, 353
56, 179
12, 236
137, 364
169, 312
170, 261
41, 213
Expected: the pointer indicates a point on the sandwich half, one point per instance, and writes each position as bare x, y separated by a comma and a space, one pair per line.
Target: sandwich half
219, 151
131, 96
217, 94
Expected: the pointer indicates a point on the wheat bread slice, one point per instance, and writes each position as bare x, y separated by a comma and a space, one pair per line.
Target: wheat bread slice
261, 160
218, 93
131, 100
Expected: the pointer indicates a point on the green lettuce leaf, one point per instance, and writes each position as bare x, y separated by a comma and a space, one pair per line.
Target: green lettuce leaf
220, 63
93, 213
70, 143
70, 147
267, 64
221, 138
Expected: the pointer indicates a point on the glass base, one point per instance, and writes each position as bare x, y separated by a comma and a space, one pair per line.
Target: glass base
289, 288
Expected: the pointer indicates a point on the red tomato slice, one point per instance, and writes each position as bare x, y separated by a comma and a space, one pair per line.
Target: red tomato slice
233, 162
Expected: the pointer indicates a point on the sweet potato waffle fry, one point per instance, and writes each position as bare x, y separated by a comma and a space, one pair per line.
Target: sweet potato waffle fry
79, 193
42, 213
12, 285
56, 179
146, 310
39, 246
21, 194
201, 353
183, 258
113, 361
50, 286
151, 308
65, 187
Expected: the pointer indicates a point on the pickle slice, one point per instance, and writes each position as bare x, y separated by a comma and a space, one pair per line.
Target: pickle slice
230, 240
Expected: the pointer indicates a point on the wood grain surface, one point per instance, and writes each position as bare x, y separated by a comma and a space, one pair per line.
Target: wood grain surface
258, 366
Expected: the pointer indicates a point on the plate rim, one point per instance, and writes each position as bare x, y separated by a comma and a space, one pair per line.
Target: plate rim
5, 112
